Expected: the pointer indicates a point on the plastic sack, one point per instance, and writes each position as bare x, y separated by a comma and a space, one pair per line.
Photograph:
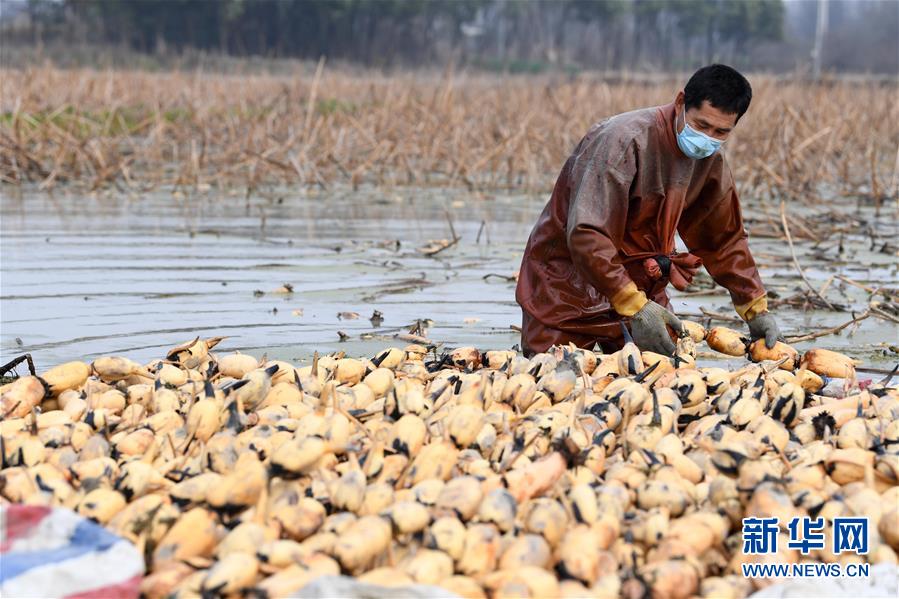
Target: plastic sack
882, 582
54, 552
328, 587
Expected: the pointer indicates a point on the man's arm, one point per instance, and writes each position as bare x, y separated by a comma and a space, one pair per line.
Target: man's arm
713, 229
596, 218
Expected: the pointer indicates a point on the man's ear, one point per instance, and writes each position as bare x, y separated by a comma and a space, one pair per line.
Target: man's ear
679, 99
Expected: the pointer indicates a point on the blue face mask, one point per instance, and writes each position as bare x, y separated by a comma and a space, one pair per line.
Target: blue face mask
695, 144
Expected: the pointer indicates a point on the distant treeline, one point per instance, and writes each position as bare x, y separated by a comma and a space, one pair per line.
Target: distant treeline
513, 35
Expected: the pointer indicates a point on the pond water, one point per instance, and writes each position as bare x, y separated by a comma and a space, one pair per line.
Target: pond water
90, 275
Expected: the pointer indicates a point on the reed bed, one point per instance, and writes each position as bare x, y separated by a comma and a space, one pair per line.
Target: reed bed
142, 130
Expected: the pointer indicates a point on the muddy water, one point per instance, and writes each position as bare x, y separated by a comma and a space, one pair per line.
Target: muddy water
91, 275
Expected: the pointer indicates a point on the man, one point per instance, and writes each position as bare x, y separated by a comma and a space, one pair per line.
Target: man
602, 251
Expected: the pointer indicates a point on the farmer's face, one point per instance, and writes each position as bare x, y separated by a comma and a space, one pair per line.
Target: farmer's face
706, 119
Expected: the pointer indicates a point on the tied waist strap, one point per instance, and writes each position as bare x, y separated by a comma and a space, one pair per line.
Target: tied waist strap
678, 268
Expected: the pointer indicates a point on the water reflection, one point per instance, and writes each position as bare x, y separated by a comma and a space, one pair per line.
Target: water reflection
82, 276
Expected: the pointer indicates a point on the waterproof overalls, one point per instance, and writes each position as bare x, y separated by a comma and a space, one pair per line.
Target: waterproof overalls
605, 240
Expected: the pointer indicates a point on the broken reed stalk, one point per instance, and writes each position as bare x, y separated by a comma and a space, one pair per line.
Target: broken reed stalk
15, 362
830, 331
783, 220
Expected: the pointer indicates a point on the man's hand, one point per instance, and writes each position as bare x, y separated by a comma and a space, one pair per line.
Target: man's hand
765, 327
649, 331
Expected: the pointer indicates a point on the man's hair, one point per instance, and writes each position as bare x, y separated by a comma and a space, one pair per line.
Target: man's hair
723, 86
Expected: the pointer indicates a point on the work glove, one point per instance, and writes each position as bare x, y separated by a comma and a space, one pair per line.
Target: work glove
765, 327
649, 330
